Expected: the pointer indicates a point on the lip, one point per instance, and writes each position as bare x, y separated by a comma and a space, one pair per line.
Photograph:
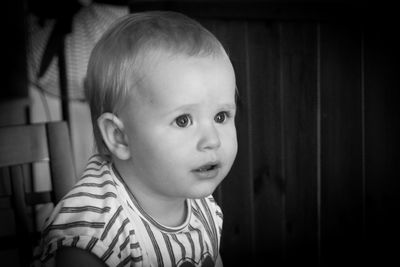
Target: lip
207, 171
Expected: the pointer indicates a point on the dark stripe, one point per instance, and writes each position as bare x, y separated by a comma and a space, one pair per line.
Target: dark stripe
125, 261
119, 232
129, 205
83, 209
94, 169
110, 223
189, 237
212, 225
106, 255
73, 225
85, 194
137, 259
199, 215
108, 182
191, 228
129, 259
91, 175
160, 261
125, 243
183, 250
169, 248
202, 219
115, 239
91, 243
75, 241
209, 228
95, 162
135, 245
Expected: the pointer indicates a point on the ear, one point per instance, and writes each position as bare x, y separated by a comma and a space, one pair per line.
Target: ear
113, 133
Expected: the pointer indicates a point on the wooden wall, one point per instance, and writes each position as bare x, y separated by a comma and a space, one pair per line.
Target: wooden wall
314, 180
314, 177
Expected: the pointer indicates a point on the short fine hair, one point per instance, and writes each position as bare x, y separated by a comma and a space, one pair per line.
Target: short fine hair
116, 60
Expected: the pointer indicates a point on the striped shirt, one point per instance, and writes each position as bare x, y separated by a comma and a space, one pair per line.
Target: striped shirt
101, 216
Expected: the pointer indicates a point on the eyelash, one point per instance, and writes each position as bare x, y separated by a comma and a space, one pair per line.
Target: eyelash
185, 120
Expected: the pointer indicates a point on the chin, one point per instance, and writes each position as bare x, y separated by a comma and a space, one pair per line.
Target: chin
202, 191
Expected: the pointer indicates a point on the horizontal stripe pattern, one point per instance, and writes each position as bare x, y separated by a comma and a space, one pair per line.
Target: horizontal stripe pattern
90, 195
84, 209
95, 184
90, 217
75, 224
101, 216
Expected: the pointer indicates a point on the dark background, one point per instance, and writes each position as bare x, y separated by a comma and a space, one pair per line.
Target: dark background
315, 180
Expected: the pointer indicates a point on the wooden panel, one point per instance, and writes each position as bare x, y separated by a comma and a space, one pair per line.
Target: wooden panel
299, 119
21, 214
341, 144
305, 167
14, 111
32, 143
29, 141
382, 142
237, 201
257, 9
63, 176
264, 96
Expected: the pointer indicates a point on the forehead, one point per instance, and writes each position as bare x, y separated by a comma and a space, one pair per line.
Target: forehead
166, 75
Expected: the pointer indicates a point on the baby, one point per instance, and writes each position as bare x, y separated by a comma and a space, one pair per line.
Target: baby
161, 89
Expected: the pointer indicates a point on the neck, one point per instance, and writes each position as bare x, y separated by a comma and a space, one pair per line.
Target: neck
168, 211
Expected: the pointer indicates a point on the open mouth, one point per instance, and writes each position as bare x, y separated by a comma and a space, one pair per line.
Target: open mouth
208, 167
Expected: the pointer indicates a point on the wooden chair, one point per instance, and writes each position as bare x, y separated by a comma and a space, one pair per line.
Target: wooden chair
20, 146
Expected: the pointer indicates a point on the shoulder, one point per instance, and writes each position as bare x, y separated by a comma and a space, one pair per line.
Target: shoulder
92, 199
90, 217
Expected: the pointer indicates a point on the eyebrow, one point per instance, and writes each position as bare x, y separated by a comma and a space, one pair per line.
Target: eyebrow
229, 106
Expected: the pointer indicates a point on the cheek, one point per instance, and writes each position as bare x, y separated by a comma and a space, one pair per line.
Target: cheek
164, 148
230, 143
234, 148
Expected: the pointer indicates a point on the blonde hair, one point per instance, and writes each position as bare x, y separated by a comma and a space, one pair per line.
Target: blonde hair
115, 62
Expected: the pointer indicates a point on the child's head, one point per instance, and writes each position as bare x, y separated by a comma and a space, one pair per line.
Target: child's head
162, 96
116, 63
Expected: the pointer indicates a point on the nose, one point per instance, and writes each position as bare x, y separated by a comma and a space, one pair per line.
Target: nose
209, 138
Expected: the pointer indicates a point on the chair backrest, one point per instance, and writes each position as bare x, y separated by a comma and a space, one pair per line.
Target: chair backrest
20, 146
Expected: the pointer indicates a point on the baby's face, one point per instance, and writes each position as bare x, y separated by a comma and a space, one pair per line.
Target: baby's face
180, 126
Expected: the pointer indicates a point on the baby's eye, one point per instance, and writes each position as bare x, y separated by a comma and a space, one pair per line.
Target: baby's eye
221, 117
183, 121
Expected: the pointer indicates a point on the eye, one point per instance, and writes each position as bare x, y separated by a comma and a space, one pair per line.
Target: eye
183, 121
221, 117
